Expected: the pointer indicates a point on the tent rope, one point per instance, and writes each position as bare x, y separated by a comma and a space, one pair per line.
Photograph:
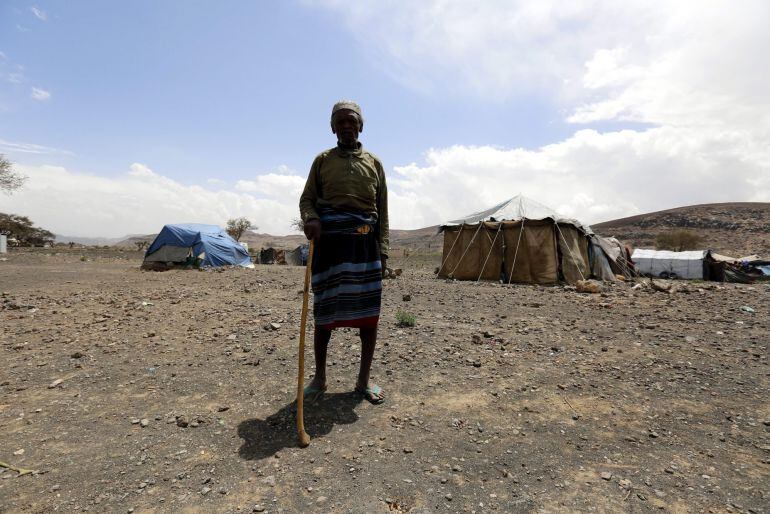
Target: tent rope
492, 247
466, 250
457, 238
516, 252
569, 249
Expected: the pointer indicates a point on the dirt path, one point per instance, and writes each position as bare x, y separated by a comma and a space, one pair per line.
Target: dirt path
164, 392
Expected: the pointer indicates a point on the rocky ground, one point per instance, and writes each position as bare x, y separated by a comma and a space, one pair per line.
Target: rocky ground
131, 391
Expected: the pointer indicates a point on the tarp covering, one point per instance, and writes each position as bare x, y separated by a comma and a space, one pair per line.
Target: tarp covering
667, 264
298, 256
209, 243
517, 208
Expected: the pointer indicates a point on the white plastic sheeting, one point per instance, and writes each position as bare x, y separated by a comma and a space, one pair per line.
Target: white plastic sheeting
514, 209
666, 264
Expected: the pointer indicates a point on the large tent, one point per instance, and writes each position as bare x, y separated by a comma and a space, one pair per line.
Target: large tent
198, 244
521, 240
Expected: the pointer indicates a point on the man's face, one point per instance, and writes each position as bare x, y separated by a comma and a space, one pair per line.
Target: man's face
347, 125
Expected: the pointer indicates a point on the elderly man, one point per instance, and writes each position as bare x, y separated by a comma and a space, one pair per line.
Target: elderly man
344, 208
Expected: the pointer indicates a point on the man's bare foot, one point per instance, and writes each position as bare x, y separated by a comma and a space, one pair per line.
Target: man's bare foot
373, 393
315, 389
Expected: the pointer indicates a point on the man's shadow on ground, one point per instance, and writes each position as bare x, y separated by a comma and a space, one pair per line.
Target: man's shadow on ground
264, 437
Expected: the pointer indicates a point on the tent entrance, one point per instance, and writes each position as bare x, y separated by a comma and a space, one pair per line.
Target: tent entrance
170, 253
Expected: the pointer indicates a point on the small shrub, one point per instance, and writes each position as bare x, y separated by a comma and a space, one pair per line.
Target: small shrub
678, 240
83, 258
405, 319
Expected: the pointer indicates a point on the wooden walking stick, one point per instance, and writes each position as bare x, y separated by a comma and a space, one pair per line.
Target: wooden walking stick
304, 439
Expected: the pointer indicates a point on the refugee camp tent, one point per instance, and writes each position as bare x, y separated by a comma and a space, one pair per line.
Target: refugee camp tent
667, 264
298, 256
272, 256
618, 256
520, 240
196, 244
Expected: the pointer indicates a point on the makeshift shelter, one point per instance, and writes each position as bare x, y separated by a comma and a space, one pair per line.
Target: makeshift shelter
195, 244
667, 264
272, 256
523, 241
298, 256
618, 256
745, 270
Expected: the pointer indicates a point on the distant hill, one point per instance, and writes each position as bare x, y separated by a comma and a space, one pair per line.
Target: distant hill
420, 239
130, 241
736, 229
87, 241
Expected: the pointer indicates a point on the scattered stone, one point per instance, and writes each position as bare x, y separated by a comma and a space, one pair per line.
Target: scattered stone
407, 298
55, 383
181, 421
606, 475
408, 450
205, 491
223, 408
258, 508
269, 480
588, 286
144, 422
135, 421
77, 355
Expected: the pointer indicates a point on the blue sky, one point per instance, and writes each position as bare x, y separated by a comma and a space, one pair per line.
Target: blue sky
225, 89
128, 115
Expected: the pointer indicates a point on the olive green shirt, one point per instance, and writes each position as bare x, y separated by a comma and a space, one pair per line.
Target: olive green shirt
344, 179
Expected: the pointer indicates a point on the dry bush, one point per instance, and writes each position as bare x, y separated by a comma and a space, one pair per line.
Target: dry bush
678, 240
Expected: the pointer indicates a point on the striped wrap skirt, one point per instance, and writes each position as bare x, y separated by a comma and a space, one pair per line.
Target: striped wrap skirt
347, 272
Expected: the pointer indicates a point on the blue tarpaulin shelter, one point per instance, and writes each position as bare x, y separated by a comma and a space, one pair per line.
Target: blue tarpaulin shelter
186, 242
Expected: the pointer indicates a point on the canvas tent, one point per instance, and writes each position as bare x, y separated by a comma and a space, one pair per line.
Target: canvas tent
194, 243
523, 241
295, 257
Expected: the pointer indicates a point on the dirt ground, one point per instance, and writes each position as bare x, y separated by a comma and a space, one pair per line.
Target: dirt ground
131, 391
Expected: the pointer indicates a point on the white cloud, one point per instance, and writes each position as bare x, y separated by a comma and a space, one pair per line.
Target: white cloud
39, 13
273, 185
695, 73
40, 95
140, 201
592, 176
29, 148
215, 182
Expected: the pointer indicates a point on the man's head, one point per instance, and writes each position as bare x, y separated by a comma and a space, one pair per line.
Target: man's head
347, 121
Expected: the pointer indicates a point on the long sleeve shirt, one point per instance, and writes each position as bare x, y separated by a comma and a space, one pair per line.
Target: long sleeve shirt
348, 179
